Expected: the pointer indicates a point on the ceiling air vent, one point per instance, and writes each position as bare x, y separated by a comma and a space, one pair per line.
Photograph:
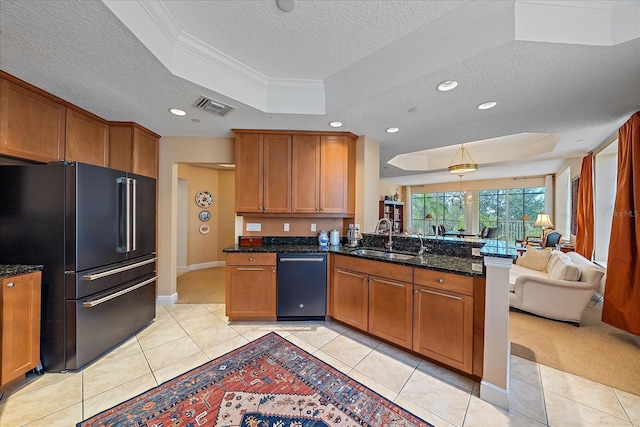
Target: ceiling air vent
213, 107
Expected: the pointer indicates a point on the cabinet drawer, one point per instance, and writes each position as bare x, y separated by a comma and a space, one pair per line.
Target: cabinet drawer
445, 281
251, 258
377, 268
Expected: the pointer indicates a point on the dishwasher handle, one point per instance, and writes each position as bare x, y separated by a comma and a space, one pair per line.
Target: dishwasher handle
307, 259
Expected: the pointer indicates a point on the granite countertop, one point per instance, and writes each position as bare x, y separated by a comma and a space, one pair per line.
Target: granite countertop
8, 270
446, 263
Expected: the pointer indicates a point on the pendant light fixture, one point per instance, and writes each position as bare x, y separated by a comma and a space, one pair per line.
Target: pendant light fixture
465, 165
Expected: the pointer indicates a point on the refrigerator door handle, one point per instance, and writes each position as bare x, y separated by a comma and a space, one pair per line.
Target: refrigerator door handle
89, 304
132, 214
123, 223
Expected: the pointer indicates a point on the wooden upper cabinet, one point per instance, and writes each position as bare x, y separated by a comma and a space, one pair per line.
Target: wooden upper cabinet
297, 172
323, 174
249, 166
306, 173
334, 174
276, 174
263, 173
87, 138
133, 148
32, 125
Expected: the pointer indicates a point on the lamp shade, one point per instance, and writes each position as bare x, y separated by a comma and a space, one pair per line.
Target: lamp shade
543, 220
429, 216
525, 217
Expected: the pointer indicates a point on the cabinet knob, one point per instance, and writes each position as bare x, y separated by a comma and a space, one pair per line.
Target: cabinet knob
440, 280
273, 271
250, 258
10, 285
264, 208
321, 209
415, 291
317, 209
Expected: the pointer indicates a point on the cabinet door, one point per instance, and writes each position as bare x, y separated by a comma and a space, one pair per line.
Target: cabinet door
443, 326
87, 139
277, 174
249, 172
306, 174
390, 310
350, 298
32, 126
251, 292
334, 174
120, 147
145, 153
20, 327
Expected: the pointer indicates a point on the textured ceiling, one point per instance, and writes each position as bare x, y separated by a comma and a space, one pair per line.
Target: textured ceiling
81, 52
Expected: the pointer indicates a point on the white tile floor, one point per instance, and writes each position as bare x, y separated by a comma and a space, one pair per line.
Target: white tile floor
185, 336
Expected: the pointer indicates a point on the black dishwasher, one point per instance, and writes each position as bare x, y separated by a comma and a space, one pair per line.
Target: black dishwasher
301, 286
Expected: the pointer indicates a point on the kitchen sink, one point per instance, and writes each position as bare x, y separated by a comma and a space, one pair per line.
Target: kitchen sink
383, 254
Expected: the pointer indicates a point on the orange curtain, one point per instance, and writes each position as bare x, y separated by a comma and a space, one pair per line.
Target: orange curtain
584, 235
621, 306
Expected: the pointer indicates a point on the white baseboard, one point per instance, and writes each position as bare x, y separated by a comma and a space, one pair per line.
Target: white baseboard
204, 265
165, 300
495, 395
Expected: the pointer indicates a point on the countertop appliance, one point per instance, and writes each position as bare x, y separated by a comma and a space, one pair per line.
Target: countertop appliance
301, 286
93, 229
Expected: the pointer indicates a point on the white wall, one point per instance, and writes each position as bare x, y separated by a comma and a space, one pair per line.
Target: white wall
367, 182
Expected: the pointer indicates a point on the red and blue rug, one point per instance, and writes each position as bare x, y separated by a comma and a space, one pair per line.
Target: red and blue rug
266, 383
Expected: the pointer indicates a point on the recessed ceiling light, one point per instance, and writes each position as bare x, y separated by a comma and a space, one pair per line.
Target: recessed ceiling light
177, 112
335, 124
487, 105
447, 85
392, 130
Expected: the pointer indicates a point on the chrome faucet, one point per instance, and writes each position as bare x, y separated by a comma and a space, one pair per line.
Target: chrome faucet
389, 244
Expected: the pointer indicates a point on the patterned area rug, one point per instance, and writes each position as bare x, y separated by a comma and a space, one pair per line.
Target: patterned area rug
266, 383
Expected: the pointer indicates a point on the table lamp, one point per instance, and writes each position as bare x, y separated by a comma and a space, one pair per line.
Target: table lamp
543, 221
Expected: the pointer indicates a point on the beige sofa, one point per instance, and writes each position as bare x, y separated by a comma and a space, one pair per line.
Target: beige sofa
553, 284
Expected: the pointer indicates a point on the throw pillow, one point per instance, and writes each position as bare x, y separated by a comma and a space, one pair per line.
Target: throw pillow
535, 259
565, 269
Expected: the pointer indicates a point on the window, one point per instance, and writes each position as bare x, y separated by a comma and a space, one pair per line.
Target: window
606, 174
504, 208
446, 208
495, 207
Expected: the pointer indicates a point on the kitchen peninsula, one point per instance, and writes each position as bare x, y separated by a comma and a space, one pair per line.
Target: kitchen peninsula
431, 304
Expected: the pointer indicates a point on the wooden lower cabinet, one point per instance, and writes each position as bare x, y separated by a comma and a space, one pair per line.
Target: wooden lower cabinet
443, 320
251, 286
351, 298
20, 325
391, 310
429, 312
374, 297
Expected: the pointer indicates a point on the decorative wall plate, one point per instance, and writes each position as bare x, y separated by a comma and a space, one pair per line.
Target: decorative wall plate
204, 229
205, 216
204, 199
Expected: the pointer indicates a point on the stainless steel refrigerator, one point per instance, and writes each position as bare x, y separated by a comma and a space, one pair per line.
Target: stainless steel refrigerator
93, 229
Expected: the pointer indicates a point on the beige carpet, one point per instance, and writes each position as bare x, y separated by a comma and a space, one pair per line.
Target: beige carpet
594, 350
204, 286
